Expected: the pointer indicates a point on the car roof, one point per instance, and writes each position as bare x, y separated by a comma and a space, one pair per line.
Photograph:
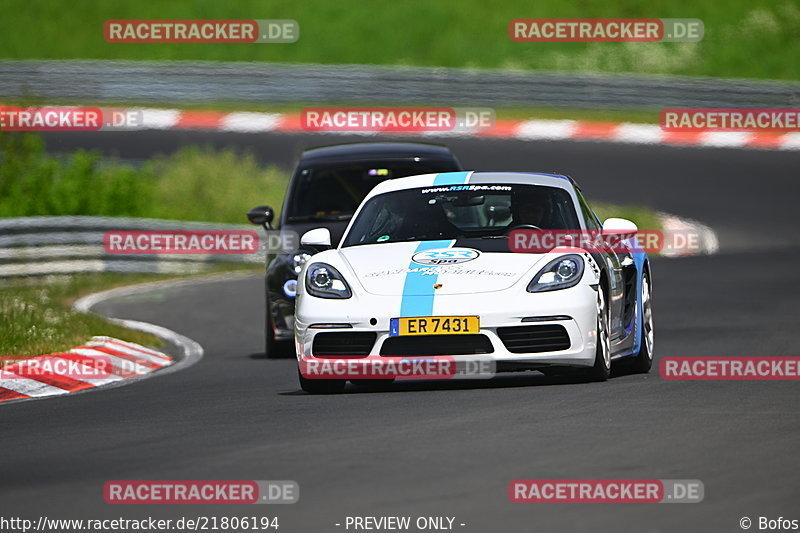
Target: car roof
474, 178
376, 150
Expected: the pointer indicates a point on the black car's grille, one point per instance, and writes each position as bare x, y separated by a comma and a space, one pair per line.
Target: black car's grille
533, 339
437, 345
350, 343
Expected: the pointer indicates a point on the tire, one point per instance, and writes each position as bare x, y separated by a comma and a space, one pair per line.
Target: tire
273, 349
270, 347
320, 386
643, 361
602, 359
372, 383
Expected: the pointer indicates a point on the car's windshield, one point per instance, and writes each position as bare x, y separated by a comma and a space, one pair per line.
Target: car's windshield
334, 191
461, 212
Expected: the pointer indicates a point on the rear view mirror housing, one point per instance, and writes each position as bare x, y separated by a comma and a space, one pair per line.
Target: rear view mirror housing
317, 239
617, 226
261, 215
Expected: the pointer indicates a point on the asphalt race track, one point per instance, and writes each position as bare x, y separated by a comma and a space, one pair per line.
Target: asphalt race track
451, 449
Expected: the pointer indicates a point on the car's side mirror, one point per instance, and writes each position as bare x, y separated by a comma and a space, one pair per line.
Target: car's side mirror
261, 215
618, 226
317, 239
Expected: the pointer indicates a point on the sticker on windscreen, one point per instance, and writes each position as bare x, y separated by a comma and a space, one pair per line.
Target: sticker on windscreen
469, 187
445, 256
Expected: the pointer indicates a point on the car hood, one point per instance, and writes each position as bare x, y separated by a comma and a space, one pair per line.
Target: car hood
401, 269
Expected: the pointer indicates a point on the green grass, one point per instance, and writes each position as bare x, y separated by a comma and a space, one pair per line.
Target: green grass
192, 184
199, 184
645, 218
743, 38
37, 316
212, 185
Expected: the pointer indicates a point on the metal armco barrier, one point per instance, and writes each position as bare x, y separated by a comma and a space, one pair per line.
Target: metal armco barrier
180, 82
33, 246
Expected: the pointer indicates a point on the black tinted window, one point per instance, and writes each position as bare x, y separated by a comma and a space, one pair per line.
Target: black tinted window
591, 219
461, 211
336, 190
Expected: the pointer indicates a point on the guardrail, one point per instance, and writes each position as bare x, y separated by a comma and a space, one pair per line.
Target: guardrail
34, 246
182, 82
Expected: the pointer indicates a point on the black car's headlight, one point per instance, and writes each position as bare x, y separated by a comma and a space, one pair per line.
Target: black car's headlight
298, 260
561, 273
324, 281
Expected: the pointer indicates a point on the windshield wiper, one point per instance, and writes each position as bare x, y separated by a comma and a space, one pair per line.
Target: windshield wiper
480, 237
320, 218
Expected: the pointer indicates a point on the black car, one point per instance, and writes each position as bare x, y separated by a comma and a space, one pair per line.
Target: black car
325, 190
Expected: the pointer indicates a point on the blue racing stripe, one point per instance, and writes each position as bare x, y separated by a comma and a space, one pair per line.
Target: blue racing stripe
451, 178
418, 288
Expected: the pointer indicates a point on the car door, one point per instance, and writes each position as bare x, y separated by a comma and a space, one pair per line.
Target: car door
614, 262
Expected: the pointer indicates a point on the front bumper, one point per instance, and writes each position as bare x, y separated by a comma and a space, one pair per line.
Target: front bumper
574, 309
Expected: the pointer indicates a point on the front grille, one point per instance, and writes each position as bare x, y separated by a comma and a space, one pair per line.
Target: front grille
350, 343
437, 345
533, 339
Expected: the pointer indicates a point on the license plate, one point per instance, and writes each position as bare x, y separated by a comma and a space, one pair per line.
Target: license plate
434, 325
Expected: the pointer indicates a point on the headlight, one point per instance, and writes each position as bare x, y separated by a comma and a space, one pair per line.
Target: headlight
561, 273
324, 281
298, 260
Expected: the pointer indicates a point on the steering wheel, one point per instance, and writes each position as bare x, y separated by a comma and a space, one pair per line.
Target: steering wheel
522, 226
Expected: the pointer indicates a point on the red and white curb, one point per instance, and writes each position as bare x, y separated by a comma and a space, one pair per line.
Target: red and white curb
138, 361
27, 379
703, 240
533, 129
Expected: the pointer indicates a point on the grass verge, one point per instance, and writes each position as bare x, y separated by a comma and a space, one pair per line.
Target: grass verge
199, 184
38, 317
743, 38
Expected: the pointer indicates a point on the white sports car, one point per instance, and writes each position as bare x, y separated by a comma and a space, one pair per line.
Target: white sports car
426, 269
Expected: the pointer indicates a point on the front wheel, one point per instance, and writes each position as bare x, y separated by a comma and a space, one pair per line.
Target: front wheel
372, 383
602, 359
270, 344
274, 348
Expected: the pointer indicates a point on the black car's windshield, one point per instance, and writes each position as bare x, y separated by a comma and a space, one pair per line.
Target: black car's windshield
334, 191
485, 212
